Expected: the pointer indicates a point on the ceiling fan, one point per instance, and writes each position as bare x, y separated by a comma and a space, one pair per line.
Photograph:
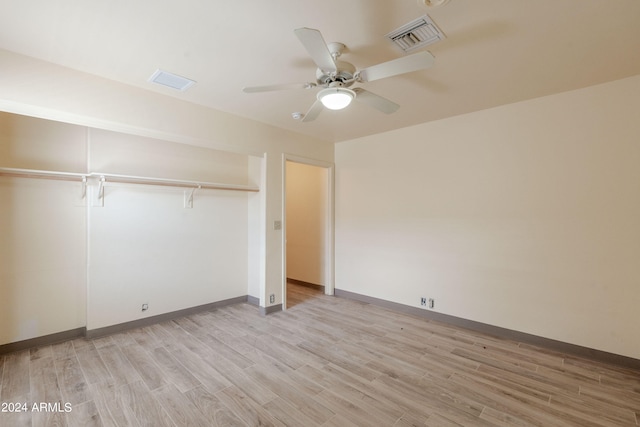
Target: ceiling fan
335, 77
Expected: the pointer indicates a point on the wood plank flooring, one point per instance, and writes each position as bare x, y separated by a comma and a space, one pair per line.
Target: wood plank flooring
324, 362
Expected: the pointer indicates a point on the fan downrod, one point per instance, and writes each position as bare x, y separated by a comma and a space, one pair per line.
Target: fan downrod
344, 75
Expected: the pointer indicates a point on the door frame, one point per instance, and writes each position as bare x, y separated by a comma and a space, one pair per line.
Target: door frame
329, 250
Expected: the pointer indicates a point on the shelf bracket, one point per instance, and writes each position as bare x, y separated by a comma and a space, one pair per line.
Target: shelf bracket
101, 188
83, 191
188, 197
97, 193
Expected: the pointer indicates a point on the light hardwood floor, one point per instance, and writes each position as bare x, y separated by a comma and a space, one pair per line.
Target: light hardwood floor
324, 362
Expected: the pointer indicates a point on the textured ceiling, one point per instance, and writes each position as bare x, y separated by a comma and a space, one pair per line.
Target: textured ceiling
496, 51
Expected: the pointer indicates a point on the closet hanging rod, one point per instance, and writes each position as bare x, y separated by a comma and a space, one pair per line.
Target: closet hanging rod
127, 179
132, 179
33, 173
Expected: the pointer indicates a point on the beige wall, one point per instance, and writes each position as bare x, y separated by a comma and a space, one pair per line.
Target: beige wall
306, 221
42, 230
145, 247
523, 216
68, 262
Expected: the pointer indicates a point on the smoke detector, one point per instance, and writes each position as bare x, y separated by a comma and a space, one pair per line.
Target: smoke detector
430, 4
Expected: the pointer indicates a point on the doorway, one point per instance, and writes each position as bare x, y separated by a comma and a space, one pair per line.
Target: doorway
307, 229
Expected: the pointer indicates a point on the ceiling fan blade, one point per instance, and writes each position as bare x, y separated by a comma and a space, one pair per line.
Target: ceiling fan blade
313, 112
407, 64
376, 101
317, 48
286, 86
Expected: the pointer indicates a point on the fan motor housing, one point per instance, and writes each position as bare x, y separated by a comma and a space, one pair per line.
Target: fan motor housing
344, 75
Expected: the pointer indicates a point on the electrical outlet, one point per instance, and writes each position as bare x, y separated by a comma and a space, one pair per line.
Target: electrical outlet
272, 299
145, 307
423, 301
432, 302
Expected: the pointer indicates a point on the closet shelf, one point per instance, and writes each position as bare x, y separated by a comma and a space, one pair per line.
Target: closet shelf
128, 179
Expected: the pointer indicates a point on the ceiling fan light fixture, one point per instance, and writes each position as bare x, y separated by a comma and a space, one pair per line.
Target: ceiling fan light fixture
336, 98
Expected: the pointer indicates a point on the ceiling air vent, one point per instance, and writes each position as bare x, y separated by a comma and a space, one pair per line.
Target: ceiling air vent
416, 34
171, 80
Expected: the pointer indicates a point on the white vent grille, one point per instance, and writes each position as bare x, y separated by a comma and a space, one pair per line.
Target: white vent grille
416, 34
171, 80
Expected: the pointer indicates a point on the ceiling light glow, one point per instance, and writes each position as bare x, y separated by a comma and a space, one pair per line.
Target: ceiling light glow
336, 98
